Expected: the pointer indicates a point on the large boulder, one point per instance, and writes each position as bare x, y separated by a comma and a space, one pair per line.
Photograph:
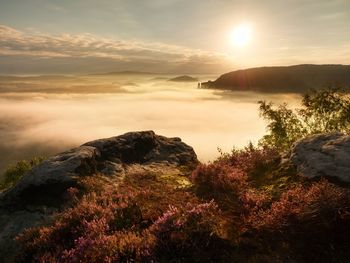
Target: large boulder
323, 155
45, 183
41, 191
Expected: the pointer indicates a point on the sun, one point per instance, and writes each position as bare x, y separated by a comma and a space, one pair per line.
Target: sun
241, 35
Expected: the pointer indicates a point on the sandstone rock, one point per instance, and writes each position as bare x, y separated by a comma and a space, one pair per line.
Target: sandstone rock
144, 147
324, 155
40, 192
45, 183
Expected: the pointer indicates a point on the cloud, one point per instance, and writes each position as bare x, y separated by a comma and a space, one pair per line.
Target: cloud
53, 50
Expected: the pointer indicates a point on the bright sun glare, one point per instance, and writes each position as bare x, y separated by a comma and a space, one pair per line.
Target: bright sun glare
241, 35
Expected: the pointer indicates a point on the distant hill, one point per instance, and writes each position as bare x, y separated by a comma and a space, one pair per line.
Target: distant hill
184, 78
124, 73
298, 78
37, 77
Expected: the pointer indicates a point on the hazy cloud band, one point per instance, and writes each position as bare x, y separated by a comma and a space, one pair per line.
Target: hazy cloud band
24, 52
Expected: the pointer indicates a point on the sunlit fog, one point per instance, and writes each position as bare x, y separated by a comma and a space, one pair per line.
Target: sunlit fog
44, 115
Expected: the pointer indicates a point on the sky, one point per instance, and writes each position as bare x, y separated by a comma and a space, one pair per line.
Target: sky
169, 36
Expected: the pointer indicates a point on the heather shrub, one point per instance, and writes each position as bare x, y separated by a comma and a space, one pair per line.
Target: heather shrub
143, 219
121, 223
15, 172
211, 180
102, 227
254, 161
252, 201
271, 215
99, 246
191, 219
234, 176
157, 195
189, 234
302, 203
311, 223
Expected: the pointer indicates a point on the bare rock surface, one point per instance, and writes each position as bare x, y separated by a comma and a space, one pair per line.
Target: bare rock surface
324, 155
41, 191
46, 181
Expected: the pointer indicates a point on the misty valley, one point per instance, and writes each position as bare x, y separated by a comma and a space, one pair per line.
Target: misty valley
43, 115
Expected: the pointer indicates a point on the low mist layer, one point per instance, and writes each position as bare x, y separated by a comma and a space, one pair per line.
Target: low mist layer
44, 115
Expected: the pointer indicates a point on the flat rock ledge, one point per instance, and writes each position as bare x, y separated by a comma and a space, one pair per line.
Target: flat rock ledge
40, 192
323, 155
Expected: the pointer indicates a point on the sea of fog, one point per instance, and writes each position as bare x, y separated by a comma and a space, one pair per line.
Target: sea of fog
40, 116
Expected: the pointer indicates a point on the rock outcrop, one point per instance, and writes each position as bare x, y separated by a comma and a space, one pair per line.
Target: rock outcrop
41, 191
324, 155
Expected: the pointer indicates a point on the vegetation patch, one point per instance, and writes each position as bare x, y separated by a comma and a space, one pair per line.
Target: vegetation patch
321, 111
15, 172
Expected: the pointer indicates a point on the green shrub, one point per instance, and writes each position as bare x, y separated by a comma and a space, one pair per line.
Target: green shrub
322, 111
15, 172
